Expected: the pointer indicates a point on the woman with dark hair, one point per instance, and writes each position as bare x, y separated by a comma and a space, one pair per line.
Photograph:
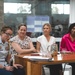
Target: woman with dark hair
68, 43
21, 43
68, 40
7, 69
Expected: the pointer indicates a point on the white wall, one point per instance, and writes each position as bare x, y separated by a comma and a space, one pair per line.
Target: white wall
72, 11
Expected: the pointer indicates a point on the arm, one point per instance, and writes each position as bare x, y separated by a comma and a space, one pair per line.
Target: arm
31, 46
19, 50
62, 44
38, 45
63, 47
9, 68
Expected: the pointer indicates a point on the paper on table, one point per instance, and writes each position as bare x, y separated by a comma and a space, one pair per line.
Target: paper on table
36, 58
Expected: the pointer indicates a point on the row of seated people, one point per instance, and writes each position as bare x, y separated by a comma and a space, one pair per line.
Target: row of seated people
21, 43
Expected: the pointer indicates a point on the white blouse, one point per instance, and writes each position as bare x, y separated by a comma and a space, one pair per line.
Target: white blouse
44, 43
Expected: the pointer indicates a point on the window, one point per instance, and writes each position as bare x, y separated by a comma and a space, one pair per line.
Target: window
17, 8
66, 8
60, 8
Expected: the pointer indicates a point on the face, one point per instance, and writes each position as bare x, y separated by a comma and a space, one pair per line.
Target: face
22, 31
46, 30
73, 31
7, 35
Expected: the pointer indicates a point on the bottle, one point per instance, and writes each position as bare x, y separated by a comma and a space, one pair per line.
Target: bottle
54, 49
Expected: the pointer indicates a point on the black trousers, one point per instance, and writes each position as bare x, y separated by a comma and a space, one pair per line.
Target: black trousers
55, 69
18, 71
5, 72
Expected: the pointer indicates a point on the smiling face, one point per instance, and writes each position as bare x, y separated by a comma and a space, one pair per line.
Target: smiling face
22, 31
6, 35
46, 29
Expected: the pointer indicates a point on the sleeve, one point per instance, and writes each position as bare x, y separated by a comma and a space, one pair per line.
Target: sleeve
62, 44
38, 39
29, 39
14, 39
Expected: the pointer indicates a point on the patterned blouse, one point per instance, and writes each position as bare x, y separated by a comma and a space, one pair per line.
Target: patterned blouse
24, 44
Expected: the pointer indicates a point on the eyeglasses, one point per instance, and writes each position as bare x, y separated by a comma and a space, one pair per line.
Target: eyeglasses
8, 34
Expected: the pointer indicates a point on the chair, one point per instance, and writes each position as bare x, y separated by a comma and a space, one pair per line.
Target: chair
67, 69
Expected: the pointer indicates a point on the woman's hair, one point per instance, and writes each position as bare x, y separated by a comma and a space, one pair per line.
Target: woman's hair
47, 24
5, 28
22, 24
71, 27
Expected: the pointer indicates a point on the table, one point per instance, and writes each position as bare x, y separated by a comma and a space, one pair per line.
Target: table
35, 68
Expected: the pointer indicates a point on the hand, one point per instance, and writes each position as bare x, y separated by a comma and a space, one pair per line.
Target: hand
34, 50
17, 66
9, 68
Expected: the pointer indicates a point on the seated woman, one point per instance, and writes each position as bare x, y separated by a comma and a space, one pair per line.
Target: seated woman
67, 44
21, 43
43, 42
5, 69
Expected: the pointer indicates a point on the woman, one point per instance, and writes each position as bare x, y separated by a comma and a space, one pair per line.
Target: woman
43, 42
68, 43
21, 43
5, 69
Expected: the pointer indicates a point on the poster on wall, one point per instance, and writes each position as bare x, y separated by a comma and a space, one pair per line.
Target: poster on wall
35, 23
